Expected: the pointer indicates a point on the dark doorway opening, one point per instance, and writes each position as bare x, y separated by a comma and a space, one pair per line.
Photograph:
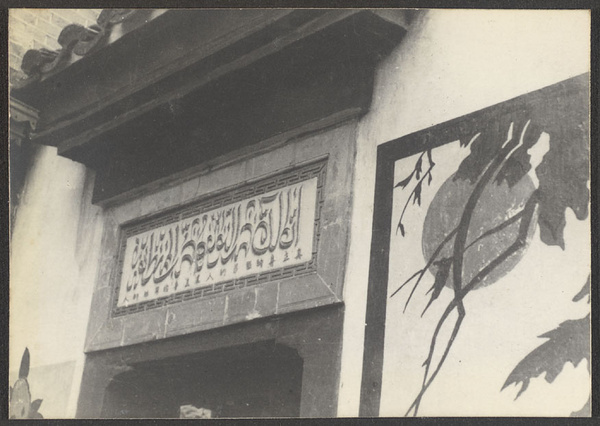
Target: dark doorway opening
257, 380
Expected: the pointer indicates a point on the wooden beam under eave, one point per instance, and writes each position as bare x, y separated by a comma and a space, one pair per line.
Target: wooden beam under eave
125, 75
277, 72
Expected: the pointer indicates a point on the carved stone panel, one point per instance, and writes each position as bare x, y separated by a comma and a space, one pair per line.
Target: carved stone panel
281, 215
252, 234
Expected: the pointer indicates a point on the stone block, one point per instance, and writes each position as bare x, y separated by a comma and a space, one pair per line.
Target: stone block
222, 178
143, 326
189, 189
101, 303
110, 230
108, 335
272, 161
304, 292
266, 299
107, 270
126, 211
307, 150
160, 200
195, 315
101, 330
240, 305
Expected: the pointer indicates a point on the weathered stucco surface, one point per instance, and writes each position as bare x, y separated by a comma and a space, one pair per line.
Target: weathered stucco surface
451, 62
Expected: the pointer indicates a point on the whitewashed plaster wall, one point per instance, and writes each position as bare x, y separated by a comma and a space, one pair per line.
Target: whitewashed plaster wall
53, 264
452, 62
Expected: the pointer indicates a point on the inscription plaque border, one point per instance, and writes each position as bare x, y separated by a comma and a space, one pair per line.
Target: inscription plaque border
213, 201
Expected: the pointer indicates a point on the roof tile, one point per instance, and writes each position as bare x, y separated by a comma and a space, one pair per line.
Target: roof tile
74, 39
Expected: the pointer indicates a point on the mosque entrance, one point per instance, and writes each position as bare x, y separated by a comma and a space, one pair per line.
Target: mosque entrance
262, 380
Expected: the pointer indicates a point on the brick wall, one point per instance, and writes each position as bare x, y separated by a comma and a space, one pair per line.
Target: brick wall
39, 28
